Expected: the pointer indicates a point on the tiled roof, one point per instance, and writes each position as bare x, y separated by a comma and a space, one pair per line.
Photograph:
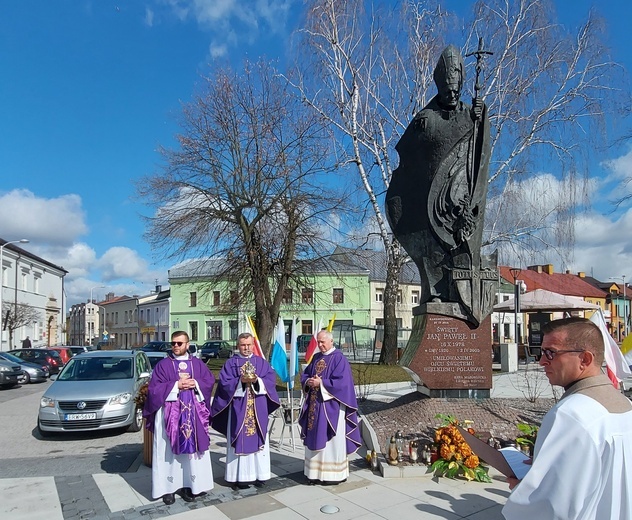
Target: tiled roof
375, 262
206, 267
560, 283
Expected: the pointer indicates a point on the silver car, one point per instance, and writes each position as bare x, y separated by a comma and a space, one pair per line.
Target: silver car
95, 391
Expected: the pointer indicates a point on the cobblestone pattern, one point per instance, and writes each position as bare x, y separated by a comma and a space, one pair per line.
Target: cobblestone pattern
415, 415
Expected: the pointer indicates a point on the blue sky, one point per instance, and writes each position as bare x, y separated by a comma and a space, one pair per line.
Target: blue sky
90, 89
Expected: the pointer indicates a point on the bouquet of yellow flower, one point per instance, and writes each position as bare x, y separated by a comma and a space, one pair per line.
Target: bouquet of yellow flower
455, 455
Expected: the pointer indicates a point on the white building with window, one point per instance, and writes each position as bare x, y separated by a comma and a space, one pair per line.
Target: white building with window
28, 280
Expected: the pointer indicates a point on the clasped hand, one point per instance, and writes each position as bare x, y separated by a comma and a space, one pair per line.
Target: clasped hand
314, 382
186, 384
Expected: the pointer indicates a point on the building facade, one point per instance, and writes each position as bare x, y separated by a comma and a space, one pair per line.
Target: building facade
153, 316
84, 324
29, 281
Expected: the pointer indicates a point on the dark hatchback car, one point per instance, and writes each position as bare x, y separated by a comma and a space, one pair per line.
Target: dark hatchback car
9, 373
32, 372
216, 349
156, 346
41, 356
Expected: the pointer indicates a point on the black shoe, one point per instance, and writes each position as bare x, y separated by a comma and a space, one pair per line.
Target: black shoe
259, 483
239, 485
186, 494
311, 482
169, 499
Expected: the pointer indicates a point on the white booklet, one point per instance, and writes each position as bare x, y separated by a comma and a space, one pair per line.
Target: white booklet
509, 461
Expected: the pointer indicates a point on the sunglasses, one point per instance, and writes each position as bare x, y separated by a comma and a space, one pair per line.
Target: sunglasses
178, 343
550, 354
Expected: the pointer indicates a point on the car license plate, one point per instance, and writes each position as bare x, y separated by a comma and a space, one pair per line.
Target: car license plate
80, 416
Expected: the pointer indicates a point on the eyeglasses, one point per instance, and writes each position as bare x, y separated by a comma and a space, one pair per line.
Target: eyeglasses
550, 353
178, 343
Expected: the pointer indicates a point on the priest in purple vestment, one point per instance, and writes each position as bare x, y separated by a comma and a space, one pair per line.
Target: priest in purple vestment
246, 395
177, 412
328, 419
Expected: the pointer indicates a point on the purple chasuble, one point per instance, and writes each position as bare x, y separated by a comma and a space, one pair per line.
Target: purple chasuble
249, 417
319, 418
187, 418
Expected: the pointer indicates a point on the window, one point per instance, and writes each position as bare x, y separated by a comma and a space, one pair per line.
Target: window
232, 327
213, 330
193, 330
125, 317
142, 315
25, 281
400, 326
506, 331
399, 296
307, 296
234, 298
379, 295
216, 299
415, 297
287, 296
193, 299
36, 284
306, 327
338, 295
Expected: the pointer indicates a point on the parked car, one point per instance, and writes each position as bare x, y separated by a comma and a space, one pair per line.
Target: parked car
156, 346
95, 391
154, 357
78, 350
216, 349
10, 373
31, 372
41, 356
194, 350
64, 353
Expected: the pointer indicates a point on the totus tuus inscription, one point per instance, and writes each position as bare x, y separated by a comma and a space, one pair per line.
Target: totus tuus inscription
452, 355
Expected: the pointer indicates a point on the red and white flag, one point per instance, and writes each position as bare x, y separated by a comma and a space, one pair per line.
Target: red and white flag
256, 348
616, 365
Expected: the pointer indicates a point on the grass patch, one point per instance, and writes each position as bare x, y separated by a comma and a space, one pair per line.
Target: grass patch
376, 374
363, 373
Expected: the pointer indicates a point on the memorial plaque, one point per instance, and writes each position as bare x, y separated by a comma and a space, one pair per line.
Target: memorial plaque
450, 357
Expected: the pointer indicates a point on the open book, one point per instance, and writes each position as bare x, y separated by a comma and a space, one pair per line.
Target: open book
509, 461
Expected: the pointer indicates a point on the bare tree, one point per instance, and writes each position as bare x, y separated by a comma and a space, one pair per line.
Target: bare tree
246, 184
356, 74
549, 93
18, 315
368, 70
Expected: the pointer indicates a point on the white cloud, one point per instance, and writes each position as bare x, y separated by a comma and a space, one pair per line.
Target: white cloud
619, 168
121, 262
55, 221
603, 246
218, 50
232, 20
149, 17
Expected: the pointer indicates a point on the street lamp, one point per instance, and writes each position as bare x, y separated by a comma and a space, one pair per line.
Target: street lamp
625, 305
519, 288
91, 323
2, 316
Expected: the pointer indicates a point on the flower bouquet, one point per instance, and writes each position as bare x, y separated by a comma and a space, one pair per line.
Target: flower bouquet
141, 397
455, 455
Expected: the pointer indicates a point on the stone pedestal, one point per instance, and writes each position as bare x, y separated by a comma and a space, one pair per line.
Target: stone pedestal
508, 357
448, 357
